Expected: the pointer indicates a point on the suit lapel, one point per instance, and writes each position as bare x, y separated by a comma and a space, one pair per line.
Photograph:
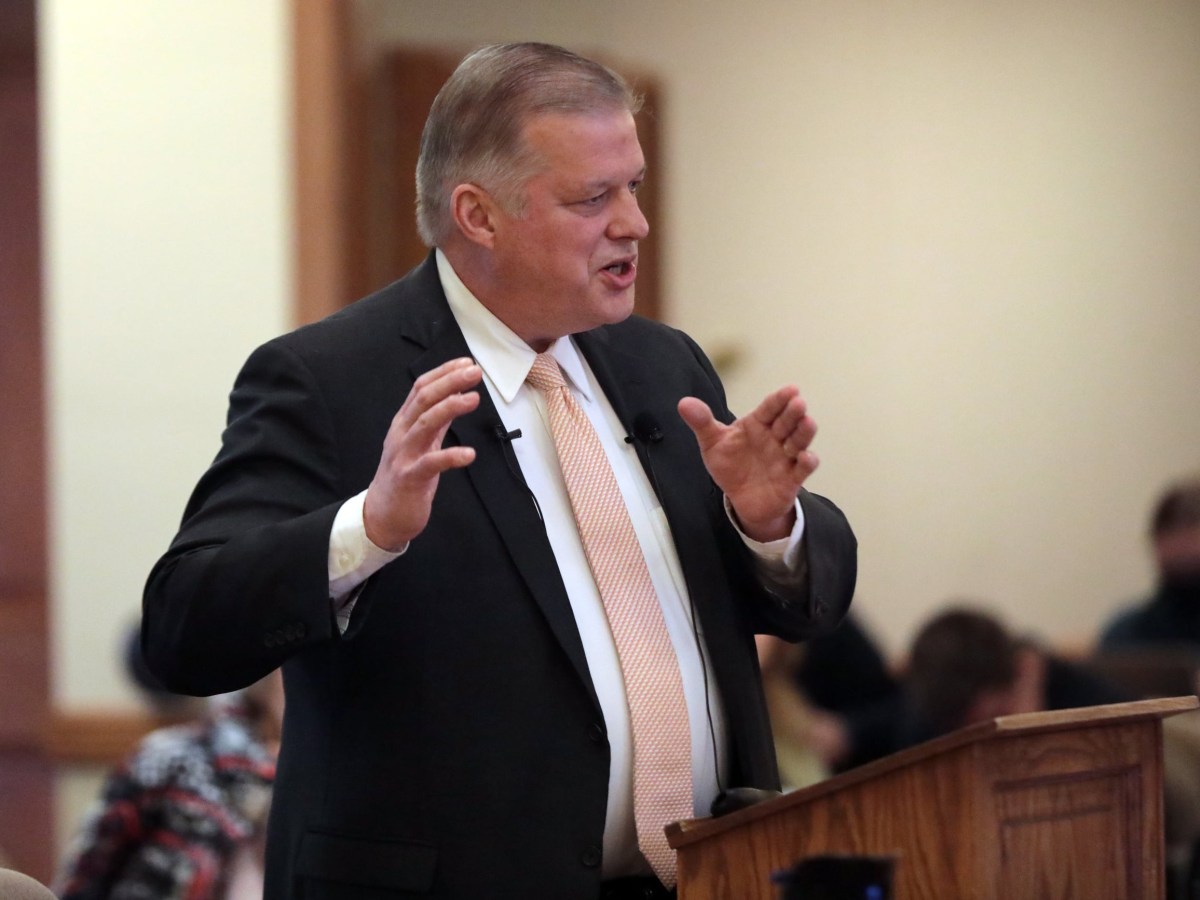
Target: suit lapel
624, 379
500, 488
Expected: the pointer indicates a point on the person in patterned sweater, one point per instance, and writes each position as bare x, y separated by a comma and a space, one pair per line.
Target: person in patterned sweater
184, 815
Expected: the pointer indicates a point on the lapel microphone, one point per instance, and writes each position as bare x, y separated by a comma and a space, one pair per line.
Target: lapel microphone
506, 437
645, 429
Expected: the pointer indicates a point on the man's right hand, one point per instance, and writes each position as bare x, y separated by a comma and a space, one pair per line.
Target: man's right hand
400, 497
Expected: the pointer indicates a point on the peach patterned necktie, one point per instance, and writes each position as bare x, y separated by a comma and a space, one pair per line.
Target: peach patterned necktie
662, 747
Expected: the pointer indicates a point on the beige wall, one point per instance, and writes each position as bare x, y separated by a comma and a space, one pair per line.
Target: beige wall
968, 231
166, 220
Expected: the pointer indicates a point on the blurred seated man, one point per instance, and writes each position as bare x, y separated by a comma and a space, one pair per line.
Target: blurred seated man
965, 667
1171, 615
184, 816
1167, 623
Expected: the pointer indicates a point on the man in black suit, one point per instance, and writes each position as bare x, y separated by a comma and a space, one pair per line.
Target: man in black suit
457, 723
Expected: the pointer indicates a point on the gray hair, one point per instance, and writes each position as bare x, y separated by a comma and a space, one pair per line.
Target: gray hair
474, 132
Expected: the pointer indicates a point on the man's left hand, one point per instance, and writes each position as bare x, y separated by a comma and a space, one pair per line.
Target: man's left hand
760, 461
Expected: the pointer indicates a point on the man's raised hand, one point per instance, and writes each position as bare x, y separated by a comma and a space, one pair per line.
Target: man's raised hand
400, 496
760, 461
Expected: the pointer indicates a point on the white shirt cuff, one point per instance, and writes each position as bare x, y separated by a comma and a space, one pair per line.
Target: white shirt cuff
353, 557
781, 555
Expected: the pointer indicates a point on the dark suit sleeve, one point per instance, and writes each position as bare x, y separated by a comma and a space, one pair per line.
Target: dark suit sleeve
831, 552
818, 602
244, 584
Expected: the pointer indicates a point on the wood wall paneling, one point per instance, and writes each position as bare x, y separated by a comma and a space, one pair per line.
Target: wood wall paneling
26, 776
322, 143
98, 737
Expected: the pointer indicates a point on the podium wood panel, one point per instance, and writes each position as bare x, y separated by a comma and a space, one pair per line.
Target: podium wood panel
1040, 806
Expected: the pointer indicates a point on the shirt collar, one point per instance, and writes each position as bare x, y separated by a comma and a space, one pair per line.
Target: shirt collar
504, 357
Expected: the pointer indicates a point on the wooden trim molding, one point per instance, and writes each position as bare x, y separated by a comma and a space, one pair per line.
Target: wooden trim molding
322, 173
26, 779
97, 737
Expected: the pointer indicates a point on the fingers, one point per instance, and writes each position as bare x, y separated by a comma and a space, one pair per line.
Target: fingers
437, 398
784, 414
804, 465
435, 462
788, 430
698, 417
781, 421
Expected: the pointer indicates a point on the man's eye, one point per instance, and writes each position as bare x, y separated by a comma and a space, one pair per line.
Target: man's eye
634, 187
594, 201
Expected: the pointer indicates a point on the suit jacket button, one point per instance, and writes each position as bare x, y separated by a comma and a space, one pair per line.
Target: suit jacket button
596, 732
590, 857
270, 640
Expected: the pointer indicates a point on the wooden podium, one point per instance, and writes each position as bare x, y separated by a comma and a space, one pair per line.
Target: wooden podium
1037, 806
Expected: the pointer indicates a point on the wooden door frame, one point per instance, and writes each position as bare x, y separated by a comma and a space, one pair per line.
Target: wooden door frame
326, 237
26, 773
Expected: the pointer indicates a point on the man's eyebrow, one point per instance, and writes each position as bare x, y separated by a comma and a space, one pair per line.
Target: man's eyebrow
605, 183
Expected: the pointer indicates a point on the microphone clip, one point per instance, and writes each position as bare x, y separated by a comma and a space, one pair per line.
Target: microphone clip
506, 437
645, 429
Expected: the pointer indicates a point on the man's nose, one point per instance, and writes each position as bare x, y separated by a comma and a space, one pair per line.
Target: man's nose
628, 223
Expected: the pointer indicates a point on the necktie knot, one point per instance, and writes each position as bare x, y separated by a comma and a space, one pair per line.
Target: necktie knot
545, 374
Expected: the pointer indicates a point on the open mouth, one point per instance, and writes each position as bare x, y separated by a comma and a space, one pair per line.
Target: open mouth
620, 268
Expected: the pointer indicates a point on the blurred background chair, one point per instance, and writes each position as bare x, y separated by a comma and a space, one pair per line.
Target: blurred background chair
15, 886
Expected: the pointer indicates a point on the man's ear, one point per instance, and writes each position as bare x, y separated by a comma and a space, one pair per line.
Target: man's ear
474, 213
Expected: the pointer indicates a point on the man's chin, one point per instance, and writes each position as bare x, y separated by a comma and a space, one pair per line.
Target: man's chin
607, 310
618, 307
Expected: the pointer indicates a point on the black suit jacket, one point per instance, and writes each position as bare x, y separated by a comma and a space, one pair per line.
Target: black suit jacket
450, 743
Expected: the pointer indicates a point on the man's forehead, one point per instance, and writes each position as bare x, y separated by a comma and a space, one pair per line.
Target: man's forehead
584, 137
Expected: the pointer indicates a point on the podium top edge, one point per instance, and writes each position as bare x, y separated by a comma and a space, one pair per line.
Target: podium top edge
1159, 708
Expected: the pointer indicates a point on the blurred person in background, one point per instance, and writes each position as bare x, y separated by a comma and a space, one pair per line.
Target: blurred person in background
966, 667
1155, 645
833, 700
167, 707
184, 815
1170, 617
